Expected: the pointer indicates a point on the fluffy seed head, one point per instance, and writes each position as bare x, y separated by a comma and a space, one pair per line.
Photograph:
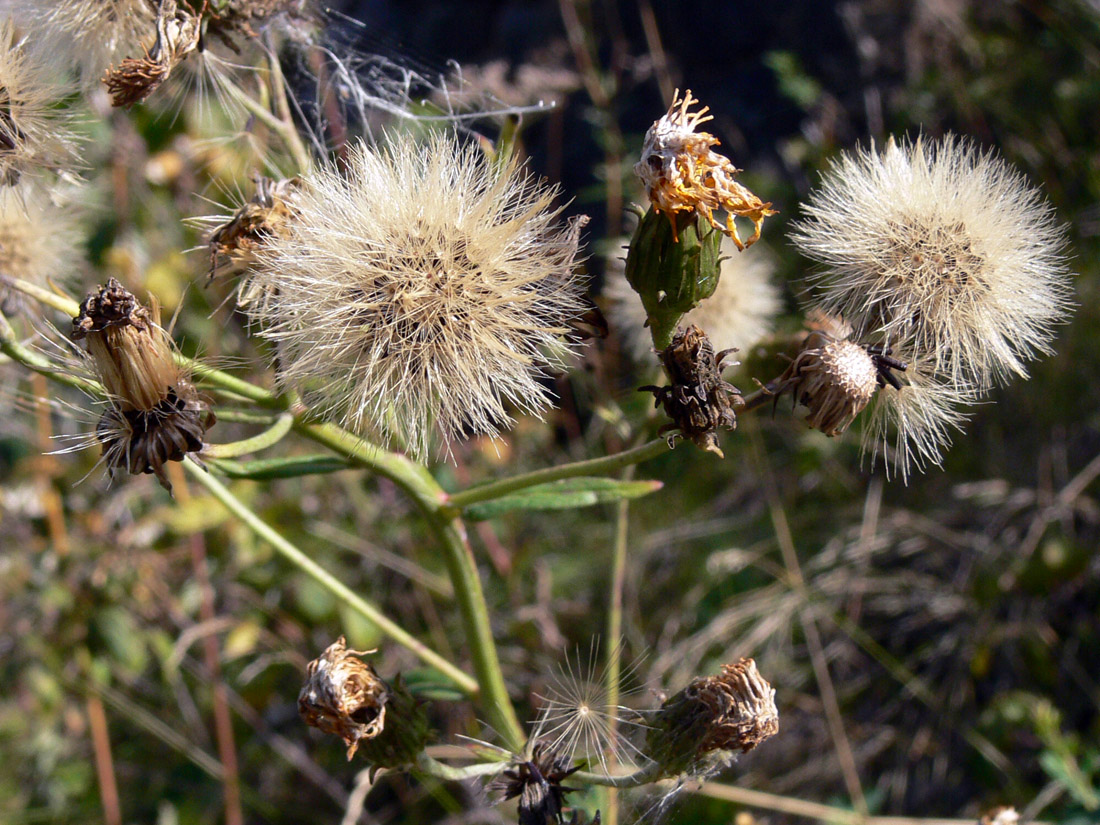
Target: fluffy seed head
39, 242
682, 174
740, 313
422, 285
940, 250
911, 426
35, 132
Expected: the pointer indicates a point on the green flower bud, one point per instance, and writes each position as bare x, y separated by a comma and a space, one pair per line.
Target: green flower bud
673, 264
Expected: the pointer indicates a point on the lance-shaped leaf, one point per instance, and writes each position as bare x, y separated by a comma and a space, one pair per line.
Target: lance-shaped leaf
562, 495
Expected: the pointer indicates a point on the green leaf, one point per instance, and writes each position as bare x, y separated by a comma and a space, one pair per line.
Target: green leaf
267, 469
562, 495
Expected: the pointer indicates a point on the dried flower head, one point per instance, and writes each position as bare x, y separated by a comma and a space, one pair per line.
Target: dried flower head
425, 284
682, 174
836, 378
154, 413
712, 718
90, 34
134, 79
39, 241
698, 401
35, 132
939, 250
233, 243
740, 313
344, 696
537, 783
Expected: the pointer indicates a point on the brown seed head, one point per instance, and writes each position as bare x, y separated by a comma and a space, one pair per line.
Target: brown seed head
714, 715
835, 378
154, 414
137, 78
682, 174
344, 696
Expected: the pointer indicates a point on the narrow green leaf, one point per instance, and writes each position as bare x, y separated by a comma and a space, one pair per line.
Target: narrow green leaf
562, 495
269, 468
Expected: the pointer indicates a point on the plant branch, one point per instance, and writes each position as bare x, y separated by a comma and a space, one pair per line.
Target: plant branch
273, 435
327, 580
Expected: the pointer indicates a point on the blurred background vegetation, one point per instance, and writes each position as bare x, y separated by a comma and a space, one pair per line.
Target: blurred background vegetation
935, 647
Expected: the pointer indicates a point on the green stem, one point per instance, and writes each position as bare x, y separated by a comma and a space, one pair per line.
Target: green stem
327, 580
266, 469
9, 345
593, 466
426, 765
272, 435
451, 532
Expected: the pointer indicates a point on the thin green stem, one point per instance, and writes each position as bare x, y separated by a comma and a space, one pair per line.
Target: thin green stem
593, 466
327, 580
273, 435
426, 765
10, 346
450, 530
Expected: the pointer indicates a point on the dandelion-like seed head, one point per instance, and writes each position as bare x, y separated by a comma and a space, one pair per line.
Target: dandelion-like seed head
910, 424
423, 285
681, 173
35, 133
740, 312
940, 250
39, 241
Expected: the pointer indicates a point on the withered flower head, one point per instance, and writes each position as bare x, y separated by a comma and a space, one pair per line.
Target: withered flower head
344, 696
233, 244
155, 414
682, 174
537, 783
712, 718
698, 401
836, 378
136, 78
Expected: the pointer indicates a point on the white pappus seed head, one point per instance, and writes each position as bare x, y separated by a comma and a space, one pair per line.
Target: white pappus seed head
422, 285
942, 250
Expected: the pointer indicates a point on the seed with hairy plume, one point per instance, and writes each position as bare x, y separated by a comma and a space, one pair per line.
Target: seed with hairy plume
154, 413
35, 131
423, 285
740, 312
344, 696
940, 250
711, 719
681, 173
39, 243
